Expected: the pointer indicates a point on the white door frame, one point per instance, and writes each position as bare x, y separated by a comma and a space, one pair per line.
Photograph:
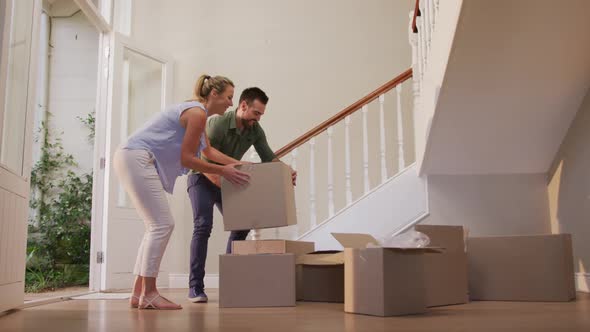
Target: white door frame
101, 19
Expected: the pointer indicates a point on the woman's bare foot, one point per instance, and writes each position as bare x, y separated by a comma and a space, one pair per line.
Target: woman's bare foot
134, 301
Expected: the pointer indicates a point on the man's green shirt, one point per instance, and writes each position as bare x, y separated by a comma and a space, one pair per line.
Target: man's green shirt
228, 139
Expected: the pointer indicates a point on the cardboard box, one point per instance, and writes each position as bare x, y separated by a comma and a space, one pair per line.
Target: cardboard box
256, 281
446, 272
267, 201
521, 268
252, 247
320, 277
382, 281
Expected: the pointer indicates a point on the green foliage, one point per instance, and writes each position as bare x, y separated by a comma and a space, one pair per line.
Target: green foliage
89, 122
58, 246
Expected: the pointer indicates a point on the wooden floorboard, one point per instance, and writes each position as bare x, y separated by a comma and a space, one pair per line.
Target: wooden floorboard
114, 315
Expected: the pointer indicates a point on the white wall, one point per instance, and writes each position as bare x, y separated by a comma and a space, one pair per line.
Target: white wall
490, 204
73, 67
569, 188
433, 75
313, 58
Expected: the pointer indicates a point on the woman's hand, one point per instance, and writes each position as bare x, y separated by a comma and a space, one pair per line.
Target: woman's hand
236, 177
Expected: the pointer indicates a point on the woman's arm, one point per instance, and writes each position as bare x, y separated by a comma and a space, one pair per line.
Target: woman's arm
193, 120
215, 155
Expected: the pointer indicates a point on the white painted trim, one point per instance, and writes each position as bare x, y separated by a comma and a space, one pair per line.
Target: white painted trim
96, 241
54, 299
583, 282
94, 15
411, 223
180, 280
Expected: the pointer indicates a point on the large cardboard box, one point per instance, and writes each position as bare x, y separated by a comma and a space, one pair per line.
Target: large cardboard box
320, 277
267, 201
253, 247
382, 281
256, 281
521, 268
446, 272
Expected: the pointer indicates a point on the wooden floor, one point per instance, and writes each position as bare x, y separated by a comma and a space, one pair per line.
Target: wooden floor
114, 315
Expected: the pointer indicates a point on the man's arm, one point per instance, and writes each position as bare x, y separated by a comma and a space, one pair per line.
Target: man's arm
215, 134
266, 154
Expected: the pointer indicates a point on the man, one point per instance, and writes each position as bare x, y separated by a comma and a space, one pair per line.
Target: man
232, 133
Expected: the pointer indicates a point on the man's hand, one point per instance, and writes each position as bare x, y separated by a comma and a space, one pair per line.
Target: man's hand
216, 179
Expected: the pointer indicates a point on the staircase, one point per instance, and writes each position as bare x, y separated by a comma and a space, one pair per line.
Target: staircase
484, 91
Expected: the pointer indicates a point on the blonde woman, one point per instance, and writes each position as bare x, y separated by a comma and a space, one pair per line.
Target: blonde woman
168, 146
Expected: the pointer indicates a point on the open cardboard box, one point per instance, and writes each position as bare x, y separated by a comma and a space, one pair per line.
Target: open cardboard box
446, 272
383, 281
253, 247
320, 276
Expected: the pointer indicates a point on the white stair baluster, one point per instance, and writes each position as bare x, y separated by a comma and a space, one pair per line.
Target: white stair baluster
347, 160
426, 22
419, 50
413, 39
312, 212
255, 234
365, 150
330, 175
294, 167
436, 8
400, 129
422, 39
382, 136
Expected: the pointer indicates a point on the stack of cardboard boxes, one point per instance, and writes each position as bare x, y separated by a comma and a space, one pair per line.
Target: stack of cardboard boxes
260, 273
379, 281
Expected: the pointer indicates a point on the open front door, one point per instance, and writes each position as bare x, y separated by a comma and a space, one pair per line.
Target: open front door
140, 85
18, 26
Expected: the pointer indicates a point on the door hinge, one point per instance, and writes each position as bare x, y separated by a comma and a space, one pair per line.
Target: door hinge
102, 163
99, 257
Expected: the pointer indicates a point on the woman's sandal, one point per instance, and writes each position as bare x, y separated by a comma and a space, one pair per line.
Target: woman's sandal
131, 304
145, 303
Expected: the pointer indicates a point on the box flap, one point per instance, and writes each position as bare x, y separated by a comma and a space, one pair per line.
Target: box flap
355, 240
435, 250
330, 257
360, 241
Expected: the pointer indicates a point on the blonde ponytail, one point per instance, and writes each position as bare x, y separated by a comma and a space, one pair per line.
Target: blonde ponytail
205, 84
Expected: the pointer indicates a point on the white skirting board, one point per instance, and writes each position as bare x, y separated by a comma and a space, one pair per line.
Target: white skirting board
180, 280
583, 282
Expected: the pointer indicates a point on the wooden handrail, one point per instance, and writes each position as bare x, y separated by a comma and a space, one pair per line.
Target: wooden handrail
344, 113
416, 14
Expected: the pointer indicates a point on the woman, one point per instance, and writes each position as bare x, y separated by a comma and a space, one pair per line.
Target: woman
170, 145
